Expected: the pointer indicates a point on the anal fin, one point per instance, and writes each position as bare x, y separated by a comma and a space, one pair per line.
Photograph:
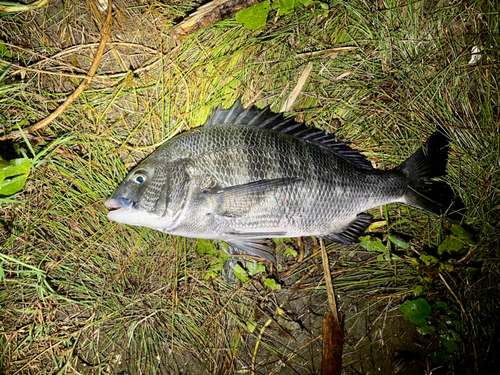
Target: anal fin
352, 232
257, 247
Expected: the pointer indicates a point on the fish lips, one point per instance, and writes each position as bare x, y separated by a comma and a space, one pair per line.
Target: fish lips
118, 205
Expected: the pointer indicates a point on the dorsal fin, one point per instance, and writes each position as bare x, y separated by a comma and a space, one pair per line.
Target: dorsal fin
266, 119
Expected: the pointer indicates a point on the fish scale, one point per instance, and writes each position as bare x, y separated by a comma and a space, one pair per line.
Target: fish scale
249, 174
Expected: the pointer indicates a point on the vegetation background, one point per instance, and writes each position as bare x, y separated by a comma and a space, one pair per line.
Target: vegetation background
81, 294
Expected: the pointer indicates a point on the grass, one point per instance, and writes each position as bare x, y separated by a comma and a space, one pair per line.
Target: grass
82, 294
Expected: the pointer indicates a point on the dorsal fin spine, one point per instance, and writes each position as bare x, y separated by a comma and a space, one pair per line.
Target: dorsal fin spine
265, 124
266, 119
242, 115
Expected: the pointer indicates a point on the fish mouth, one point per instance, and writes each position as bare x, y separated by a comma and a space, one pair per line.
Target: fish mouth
117, 205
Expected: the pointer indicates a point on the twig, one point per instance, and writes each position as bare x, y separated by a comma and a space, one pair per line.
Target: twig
208, 15
333, 335
106, 30
326, 51
261, 333
329, 285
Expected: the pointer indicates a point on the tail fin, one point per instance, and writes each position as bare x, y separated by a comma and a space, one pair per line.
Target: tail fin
428, 162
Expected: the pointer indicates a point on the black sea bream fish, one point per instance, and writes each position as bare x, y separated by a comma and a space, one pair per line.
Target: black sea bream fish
248, 175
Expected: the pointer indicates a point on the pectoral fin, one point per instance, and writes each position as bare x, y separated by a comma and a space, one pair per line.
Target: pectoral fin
352, 232
239, 200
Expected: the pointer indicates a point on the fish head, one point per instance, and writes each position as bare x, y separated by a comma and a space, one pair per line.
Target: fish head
135, 201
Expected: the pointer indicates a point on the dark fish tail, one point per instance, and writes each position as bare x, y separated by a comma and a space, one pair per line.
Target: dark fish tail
426, 163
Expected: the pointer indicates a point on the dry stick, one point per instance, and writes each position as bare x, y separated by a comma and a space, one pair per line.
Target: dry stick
209, 14
329, 285
106, 30
259, 339
333, 336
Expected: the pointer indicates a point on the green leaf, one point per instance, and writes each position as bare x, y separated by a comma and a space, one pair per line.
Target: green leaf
208, 249
205, 247
372, 244
272, 284
254, 267
291, 252
429, 259
285, 6
450, 340
281, 240
251, 325
453, 314
426, 330
416, 311
398, 242
462, 233
241, 274
4, 51
418, 290
306, 3
387, 257
13, 175
451, 244
255, 16
440, 304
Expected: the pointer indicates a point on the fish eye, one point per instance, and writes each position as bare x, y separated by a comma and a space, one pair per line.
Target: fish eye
139, 177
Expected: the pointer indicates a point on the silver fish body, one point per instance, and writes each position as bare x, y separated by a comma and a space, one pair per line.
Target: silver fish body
248, 175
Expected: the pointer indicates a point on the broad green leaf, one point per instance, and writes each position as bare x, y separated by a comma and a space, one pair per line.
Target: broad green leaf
372, 244
255, 16
416, 311
453, 314
450, 339
387, 257
241, 274
429, 259
13, 175
283, 240
451, 244
285, 6
440, 304
418, 290
272, 284
291, 252
204, 247
4, 51
398, 242
251, 325
462, 233
426, 330
255, 267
